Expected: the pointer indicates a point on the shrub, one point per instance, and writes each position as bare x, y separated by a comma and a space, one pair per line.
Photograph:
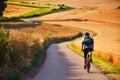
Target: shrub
24, 2
25, 69
37, 57
118, 7
33, 3
5, 48
61, 5
13, 75
47, 4
9, 19
54, 9
3, 5
3, 18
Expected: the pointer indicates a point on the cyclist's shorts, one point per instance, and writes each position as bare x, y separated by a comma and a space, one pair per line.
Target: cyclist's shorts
86, 51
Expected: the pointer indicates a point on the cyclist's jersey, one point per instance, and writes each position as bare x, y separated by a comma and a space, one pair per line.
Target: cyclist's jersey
87, 43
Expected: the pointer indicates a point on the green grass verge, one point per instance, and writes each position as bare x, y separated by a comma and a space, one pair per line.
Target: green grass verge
105, 66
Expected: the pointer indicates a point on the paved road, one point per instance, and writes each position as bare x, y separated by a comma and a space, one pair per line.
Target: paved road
63, 64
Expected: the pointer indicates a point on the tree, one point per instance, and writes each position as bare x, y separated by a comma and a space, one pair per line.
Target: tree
3, 5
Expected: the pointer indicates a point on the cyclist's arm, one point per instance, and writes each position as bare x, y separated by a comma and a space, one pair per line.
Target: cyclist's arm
82, 47
93, 44
82, 44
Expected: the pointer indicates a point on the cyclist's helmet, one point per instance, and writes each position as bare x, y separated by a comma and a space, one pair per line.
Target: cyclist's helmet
87, 34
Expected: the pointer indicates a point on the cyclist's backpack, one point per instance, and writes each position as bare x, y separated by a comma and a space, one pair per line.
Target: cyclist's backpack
87, 41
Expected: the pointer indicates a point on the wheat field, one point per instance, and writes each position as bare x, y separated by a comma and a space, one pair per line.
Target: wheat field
13, 10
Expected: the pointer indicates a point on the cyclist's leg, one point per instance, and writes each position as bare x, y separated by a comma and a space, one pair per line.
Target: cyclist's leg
90, 51
91, 54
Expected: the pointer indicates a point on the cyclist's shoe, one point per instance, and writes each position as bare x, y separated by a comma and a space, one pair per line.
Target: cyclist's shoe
91, 60
84, 67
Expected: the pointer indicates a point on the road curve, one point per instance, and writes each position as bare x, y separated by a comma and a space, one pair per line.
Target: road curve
63, 64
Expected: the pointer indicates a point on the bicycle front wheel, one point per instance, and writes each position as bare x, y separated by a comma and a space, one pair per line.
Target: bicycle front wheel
88, 66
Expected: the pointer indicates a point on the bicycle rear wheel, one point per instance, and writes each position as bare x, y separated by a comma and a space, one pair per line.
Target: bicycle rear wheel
88, 64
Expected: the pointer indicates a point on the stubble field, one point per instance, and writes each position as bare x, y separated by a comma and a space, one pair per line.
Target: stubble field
13, 10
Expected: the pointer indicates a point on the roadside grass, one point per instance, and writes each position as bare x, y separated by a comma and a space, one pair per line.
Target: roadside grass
105, 66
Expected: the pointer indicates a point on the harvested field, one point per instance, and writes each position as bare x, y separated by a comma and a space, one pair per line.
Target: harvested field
101, 4
43, 30
13, 10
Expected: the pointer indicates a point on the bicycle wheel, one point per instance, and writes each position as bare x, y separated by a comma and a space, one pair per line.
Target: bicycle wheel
88, 65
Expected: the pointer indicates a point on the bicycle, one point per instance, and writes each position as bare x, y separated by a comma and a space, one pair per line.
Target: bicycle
88, 63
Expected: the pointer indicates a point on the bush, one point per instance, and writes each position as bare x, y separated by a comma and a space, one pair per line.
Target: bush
5, 48
47, 4
9, 19
54, 9
3, 18
33, 3
13, 75
3, 5
37, 56
24, 2
25, 69
61, 7
119, 7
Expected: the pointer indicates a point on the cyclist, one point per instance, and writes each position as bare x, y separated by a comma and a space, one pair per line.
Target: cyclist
87, 47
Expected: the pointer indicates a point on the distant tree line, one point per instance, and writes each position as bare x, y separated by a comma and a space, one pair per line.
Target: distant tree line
3, 5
